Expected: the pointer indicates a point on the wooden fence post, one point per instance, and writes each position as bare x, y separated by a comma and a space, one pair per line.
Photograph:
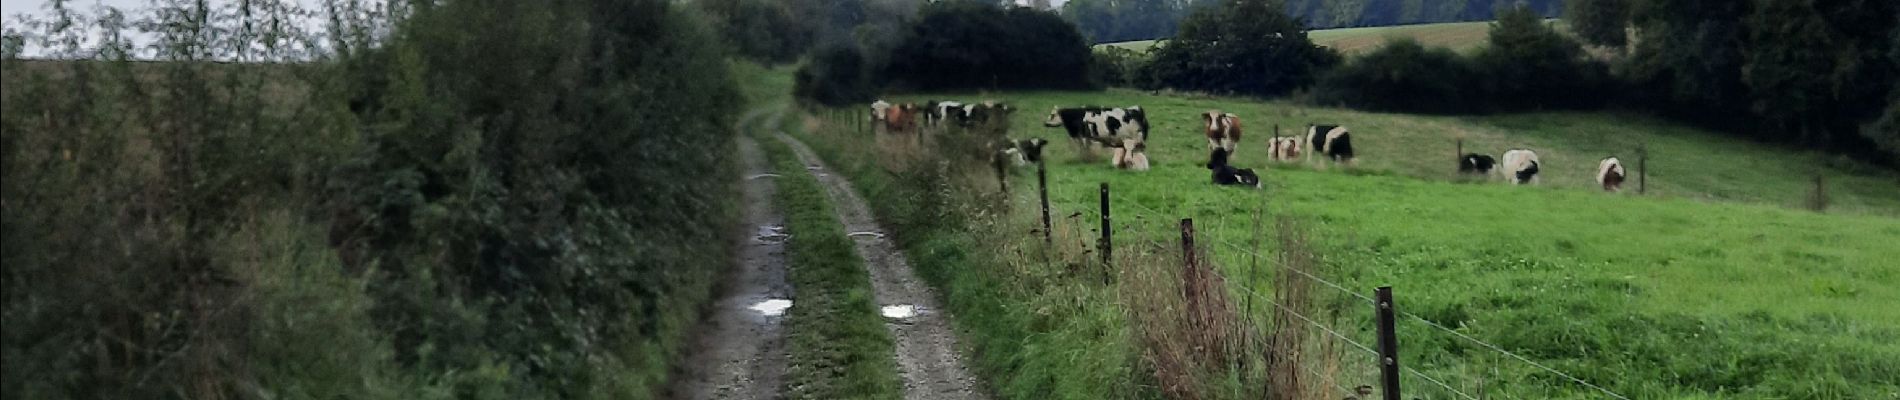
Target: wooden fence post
1460, 155
1190, 276
1642, 168
1108, 232
1388, 343
1042, 184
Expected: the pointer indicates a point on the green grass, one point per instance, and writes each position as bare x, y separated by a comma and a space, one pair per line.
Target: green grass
1458, 36
1713, 285
839, 347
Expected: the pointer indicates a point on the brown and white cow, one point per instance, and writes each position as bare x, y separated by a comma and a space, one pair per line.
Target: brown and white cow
900, 118
1610, 174
1222, 130
1283, 148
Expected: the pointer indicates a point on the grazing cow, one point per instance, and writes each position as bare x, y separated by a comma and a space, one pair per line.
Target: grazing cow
1130, 153
878, 108
1089, 122
1610, 174
1474, 163
1520, 166
1223, 130
1329, 141
1228, 175
935, 112
1283, 148
984, 113
899, 118
1024, 152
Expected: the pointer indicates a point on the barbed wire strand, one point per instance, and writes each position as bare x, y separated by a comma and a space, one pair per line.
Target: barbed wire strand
1494, 347
1441, 384
1316, 324
1335, 286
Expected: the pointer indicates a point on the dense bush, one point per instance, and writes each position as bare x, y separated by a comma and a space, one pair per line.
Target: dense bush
961, 44
762, 30
1404, 76
835, 75
501, 183
1117, 66
1240, 47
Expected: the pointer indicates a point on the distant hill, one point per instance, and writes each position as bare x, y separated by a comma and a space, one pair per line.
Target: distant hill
1459, 36
1321, 14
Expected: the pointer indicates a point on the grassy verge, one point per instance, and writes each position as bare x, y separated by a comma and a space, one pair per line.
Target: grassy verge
1039, 330
839, 347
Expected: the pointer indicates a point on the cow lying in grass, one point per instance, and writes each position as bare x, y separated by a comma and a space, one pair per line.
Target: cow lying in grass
1130, 153
1610, 174
1520, 166
1223, 130
1474, 163
1329, 141
1228, 175
1283, 148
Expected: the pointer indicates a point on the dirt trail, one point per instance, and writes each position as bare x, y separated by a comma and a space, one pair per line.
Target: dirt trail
740, 351
927, 350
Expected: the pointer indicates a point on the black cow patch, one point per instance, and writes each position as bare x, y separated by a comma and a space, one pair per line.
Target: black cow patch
1474, 163
1525, 175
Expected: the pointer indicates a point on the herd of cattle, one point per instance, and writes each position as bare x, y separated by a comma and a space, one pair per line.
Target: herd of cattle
1124, 130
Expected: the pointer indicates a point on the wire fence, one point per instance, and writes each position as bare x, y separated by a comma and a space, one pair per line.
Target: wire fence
1127, 214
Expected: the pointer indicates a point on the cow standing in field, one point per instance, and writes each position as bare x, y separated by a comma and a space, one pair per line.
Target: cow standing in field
986, 114
1283, 148
900, 118
1610, 174
1130, 153
1329, 141
1224, 174
877, 110
1520, 166
936, 112
1223, 130
1090, 122
1474, 163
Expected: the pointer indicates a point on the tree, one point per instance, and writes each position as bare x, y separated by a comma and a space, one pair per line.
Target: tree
1105, 21
1599, 22
1241, 46
1530, 65
958, 44
835, 76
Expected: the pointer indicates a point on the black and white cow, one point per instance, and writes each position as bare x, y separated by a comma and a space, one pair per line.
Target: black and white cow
1329, 141
1228, 175
936, 112
1089, 122
1610, 174
985, 113
1024, 152
1474, 163
1520, 166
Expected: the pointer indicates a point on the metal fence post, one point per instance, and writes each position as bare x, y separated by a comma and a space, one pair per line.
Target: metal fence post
1388, 343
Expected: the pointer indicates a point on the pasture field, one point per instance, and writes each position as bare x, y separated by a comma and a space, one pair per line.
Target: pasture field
1715, 284
1459, 36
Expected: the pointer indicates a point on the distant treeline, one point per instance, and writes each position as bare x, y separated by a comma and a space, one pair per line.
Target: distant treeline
1108, 21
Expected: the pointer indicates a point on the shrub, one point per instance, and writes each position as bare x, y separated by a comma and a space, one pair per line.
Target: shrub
1117, 66
1404, 76
834, 76
1529, 65
1243, 47
964, 44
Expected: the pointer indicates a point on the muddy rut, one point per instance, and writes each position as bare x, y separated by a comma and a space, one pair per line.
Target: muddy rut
927, 350
740, 349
